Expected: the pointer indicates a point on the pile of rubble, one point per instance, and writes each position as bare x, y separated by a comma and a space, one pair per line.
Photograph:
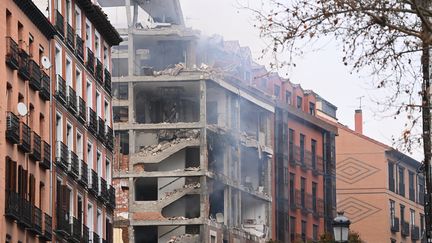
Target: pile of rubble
177, 218
188, 186
176, 138
184, 238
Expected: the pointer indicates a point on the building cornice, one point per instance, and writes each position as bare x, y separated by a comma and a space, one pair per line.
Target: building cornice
37, 17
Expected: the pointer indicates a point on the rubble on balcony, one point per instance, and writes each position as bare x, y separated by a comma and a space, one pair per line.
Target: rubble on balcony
180, 137
184, 188
189, 238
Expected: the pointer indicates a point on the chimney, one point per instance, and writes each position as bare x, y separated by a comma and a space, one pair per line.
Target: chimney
358, 121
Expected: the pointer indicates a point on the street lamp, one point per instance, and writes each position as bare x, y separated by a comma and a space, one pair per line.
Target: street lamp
341, 227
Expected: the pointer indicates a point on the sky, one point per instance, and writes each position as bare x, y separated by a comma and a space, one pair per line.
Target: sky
321, 70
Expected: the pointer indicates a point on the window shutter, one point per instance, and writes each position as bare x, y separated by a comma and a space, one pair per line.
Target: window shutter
32, 189
13, 176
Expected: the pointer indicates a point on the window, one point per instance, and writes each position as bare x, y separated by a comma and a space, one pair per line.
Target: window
89, 95
313, 153
303, 230
69, 136
68, 11
80, 150
59, 127
422, 225
314, 196
299, 102
97, 45
78, 24
291, 146
68, 71
421, 189
88, 36
80, 210
391, 176
106, 58
392, 213
293, 228
315, 232
302, 148
108, 171
411, 191
288, 97
99, 163
292, 189
99, 223
58, 61
412, 218
107, 113
90, 222
312, 108
303, 192
277, 91
98, 104
78, 83
402, 213
90, 155
401, 181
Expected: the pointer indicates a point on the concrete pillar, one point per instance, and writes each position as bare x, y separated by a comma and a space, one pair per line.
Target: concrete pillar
203, 122
191, 54
131, 107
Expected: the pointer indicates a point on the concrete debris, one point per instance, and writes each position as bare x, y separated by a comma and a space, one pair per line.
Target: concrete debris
171, 71
177, 138
193, 169
188, 186
177, 218
184, 238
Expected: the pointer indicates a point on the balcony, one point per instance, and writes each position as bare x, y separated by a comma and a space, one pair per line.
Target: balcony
103, 190
405, 228
35, 75
25, 213
12, 206
73, 165
318, 208
107, 85
12, 128
62, 154
71, 100
99, 71
76, 230
111, 199
96, 238
101, 129
36, 147
47, 230
79, 48
25, 138
81, 110
70, 36
46, 160
92, 121
90, 61
59, 23
109, 138
63, 225
45, 89
415, 233
94, 182
61, 89
85, 234
83, 176
12, 56
36, 220
24, 67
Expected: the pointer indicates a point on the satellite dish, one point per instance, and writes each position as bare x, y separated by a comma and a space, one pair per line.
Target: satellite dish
46, 63
22, 109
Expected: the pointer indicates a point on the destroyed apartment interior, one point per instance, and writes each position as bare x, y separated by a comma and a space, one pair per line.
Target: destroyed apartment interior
194, 145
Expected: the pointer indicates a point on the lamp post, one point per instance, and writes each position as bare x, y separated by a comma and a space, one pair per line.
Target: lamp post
341, 227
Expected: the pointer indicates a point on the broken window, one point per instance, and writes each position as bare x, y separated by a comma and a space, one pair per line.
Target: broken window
120, 91
146, 189
217, 199
120, 114
123, 136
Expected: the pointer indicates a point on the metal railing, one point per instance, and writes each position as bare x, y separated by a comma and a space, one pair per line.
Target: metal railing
45, 89
90, 61
79, 48
73, 168
82, 114
107, 81
59, 23
24, 68
35, 75
36, 147
25, 138
61, 89
62, 155
70, 36
12, 56
72, 100
92, 121
46, 161
12, 128
99, 71
83, 177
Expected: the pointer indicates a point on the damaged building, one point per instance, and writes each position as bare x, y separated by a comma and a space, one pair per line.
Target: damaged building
194, 158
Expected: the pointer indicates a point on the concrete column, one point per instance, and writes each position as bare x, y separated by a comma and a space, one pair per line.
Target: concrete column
191, 54
131, 107
131, 53
203, 122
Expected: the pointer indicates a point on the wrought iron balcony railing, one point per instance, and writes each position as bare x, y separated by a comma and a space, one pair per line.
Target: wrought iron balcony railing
85, 234
103, 190
94, 182
79, 48
73, 164
45, 89
62, 155
76, 230
109, 138
101, 129
24, 67
71, 100
111, 200
415, 233
36, 220
59, 23
96, 238
61, 90
82, 110
63, 226
25, 138
90, 64
47, 230
25, 213
35, 75
12, 205
83, 177
405, 228
70, 36
99, 71
12, 128
46, 160
36, 147
12, 54
92, 121
107, 79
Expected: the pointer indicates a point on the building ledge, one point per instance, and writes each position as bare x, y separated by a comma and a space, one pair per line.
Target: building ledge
157, 126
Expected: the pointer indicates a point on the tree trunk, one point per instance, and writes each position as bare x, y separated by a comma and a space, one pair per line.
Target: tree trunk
426, 116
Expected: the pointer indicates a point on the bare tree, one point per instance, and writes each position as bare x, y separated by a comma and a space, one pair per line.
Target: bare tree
388, 38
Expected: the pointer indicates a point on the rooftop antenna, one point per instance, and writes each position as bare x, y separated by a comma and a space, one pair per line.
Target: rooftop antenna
360, 100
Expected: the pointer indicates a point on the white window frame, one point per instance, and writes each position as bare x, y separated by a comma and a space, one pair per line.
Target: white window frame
78, 82
98, 47
89, 90
70, 146
58, 60
89, 37
90, 157
59, 135
69, 72
78, 21
80, 145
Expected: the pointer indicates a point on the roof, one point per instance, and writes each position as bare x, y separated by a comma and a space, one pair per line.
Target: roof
37, 17
100, 20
